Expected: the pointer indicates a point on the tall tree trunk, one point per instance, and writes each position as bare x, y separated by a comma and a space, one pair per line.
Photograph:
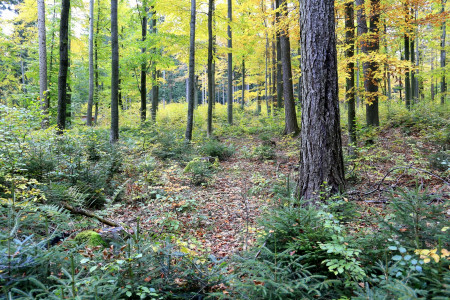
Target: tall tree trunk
407, 43
50, 67
96, 73
443, 54
155, 93
321, 158
432, 80
350, 80
243, 84
114, 133
42, 62
413, 72
258, 100
63, 65
290, 115
91, 64
230, 65
210, 68
279, 63
362, 31
370, 82
191, 87
143, 90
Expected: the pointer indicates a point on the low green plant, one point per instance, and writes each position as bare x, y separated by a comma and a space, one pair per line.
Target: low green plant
264, 152
214, 148
201, 170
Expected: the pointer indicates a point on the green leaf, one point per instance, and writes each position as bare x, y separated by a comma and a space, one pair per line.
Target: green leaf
397, 257
402, 250
392, 248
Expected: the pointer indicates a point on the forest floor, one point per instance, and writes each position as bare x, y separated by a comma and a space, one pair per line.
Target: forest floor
221, 216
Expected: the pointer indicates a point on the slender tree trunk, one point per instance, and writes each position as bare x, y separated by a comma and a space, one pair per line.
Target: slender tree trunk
258, 100
50, 67
432, 80
230, 65
143, 90
350, 80
114, 133
243, 84
279, 63
91, 64
413, 72
42, 62
96, 73
191, 87
321, 158
210, 67
407, 43
371, 83
290, 115
63, 65
443, 54
362, 31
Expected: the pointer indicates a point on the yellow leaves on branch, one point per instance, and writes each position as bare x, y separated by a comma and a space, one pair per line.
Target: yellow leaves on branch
427, 255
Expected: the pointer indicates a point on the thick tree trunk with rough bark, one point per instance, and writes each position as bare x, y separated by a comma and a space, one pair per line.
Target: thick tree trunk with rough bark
321, 159
42, 62
230, 65
114, 133
191, 85
350, 80
63, 65
290, 115
91, 64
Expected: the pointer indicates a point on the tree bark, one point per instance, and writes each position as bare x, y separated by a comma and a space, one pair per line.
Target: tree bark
443, 54
279, 62
42, 62
96, 73
290, 115
243, 84
91, 64
210, 71
321, 149
63, 65
114, 133
230, 65
350, 80
143, 90
191, 87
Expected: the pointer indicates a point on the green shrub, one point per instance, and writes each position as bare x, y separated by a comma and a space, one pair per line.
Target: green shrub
440, 161
214, 148
201, 170
264, 152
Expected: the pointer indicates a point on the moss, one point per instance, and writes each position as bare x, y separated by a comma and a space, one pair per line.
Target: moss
91, 238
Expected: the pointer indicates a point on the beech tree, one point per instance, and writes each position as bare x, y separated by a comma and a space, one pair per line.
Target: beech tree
321, 159
91, 64
230, 65
42, 61
211, 92
191, 87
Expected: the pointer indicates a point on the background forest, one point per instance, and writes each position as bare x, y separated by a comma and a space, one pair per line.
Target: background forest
224, 149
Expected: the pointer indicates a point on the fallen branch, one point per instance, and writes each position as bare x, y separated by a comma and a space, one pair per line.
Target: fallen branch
83, 212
